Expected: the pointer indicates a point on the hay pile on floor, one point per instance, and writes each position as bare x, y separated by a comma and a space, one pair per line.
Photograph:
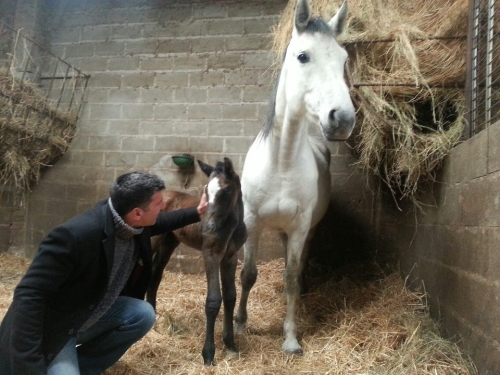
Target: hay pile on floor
32, 134
407, 74
353, 321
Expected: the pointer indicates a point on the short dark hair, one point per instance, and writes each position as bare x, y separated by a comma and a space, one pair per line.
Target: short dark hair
134, 189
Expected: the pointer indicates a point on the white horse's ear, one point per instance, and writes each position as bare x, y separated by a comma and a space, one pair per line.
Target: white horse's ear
337, 23
302, 14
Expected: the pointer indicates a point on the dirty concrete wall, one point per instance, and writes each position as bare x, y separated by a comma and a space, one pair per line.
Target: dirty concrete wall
167, 78
452, 248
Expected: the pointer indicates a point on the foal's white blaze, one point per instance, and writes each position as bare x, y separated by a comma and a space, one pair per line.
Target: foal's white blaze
212, 188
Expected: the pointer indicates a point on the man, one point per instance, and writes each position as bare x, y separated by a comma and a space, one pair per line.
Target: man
80, 305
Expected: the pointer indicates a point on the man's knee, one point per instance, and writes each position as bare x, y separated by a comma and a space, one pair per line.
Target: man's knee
146, 315
149, 314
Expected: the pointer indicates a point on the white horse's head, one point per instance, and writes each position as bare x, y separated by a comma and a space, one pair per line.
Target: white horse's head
314, 65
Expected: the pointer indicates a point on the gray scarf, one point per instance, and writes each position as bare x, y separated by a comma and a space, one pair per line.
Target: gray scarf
124, 260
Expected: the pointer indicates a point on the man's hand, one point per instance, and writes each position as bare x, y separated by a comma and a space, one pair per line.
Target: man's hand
202, 206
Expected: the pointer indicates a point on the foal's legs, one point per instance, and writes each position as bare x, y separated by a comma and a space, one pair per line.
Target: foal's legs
227, 272
248, 274
160, 260
213, 302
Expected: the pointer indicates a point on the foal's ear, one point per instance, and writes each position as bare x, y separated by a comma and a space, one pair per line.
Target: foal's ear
302, 14
207, 169
337, 23
228, 168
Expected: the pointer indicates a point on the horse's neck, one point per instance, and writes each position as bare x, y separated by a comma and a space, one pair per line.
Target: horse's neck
289, 138
290, 133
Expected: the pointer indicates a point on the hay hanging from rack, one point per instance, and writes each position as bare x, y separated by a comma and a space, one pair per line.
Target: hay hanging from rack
406, 71
33, 135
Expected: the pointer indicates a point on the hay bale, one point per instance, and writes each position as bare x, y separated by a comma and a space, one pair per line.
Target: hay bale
407, 74
33, 135
356, 320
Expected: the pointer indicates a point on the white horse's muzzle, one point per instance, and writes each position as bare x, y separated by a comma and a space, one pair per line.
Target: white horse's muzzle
339, 125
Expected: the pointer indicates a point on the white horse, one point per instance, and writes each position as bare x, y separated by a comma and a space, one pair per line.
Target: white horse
286, 177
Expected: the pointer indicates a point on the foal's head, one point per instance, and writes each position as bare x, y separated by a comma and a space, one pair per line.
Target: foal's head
223, 191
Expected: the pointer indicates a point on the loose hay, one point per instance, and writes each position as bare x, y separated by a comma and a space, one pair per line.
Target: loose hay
32, 133
354, 321
407, 75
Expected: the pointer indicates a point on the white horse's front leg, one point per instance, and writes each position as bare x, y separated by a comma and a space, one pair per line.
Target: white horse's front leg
296, 241
248, 274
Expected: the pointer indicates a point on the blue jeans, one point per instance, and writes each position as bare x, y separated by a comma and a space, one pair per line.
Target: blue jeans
102, 345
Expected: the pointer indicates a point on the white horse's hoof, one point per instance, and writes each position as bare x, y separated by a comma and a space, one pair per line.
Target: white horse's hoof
292, 347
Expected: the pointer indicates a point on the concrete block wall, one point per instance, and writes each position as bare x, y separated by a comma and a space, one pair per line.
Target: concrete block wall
453, 247
167, 78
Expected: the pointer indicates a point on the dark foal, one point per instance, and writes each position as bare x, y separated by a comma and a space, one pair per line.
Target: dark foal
219, 235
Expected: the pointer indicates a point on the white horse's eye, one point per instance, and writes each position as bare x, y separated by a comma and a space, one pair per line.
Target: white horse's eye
303, 57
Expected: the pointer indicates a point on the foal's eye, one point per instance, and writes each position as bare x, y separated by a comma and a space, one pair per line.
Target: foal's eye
303, 58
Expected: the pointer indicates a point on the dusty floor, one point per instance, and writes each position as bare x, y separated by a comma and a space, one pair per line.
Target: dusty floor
354, 321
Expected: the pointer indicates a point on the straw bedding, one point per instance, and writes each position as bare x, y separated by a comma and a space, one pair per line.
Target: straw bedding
406, 71
356, 320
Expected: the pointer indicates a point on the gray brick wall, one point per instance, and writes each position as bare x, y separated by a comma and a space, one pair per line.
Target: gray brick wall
453, 248
167, 78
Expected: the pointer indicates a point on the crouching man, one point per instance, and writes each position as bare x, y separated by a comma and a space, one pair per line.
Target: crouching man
80, 305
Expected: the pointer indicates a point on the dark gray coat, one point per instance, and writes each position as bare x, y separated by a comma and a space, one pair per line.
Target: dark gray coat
66, 280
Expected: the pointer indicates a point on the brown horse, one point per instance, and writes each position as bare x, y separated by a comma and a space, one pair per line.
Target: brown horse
219, 235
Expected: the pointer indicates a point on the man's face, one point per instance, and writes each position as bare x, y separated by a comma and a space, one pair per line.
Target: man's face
146, 217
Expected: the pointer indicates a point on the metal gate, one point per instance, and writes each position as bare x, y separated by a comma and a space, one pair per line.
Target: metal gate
483, 69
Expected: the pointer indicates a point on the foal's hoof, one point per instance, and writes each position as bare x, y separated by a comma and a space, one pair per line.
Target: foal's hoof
239, 327
208, 356
232, 353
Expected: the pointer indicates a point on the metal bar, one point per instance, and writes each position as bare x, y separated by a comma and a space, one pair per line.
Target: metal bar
27, 62
75, 80
388, 40
44, 61
52, 81
38, 45
468, 72
62, 77
81, 99
489, 61
62, 88
446, 85
474, 65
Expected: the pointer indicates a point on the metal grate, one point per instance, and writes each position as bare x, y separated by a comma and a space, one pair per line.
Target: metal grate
483, 72
59, 82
